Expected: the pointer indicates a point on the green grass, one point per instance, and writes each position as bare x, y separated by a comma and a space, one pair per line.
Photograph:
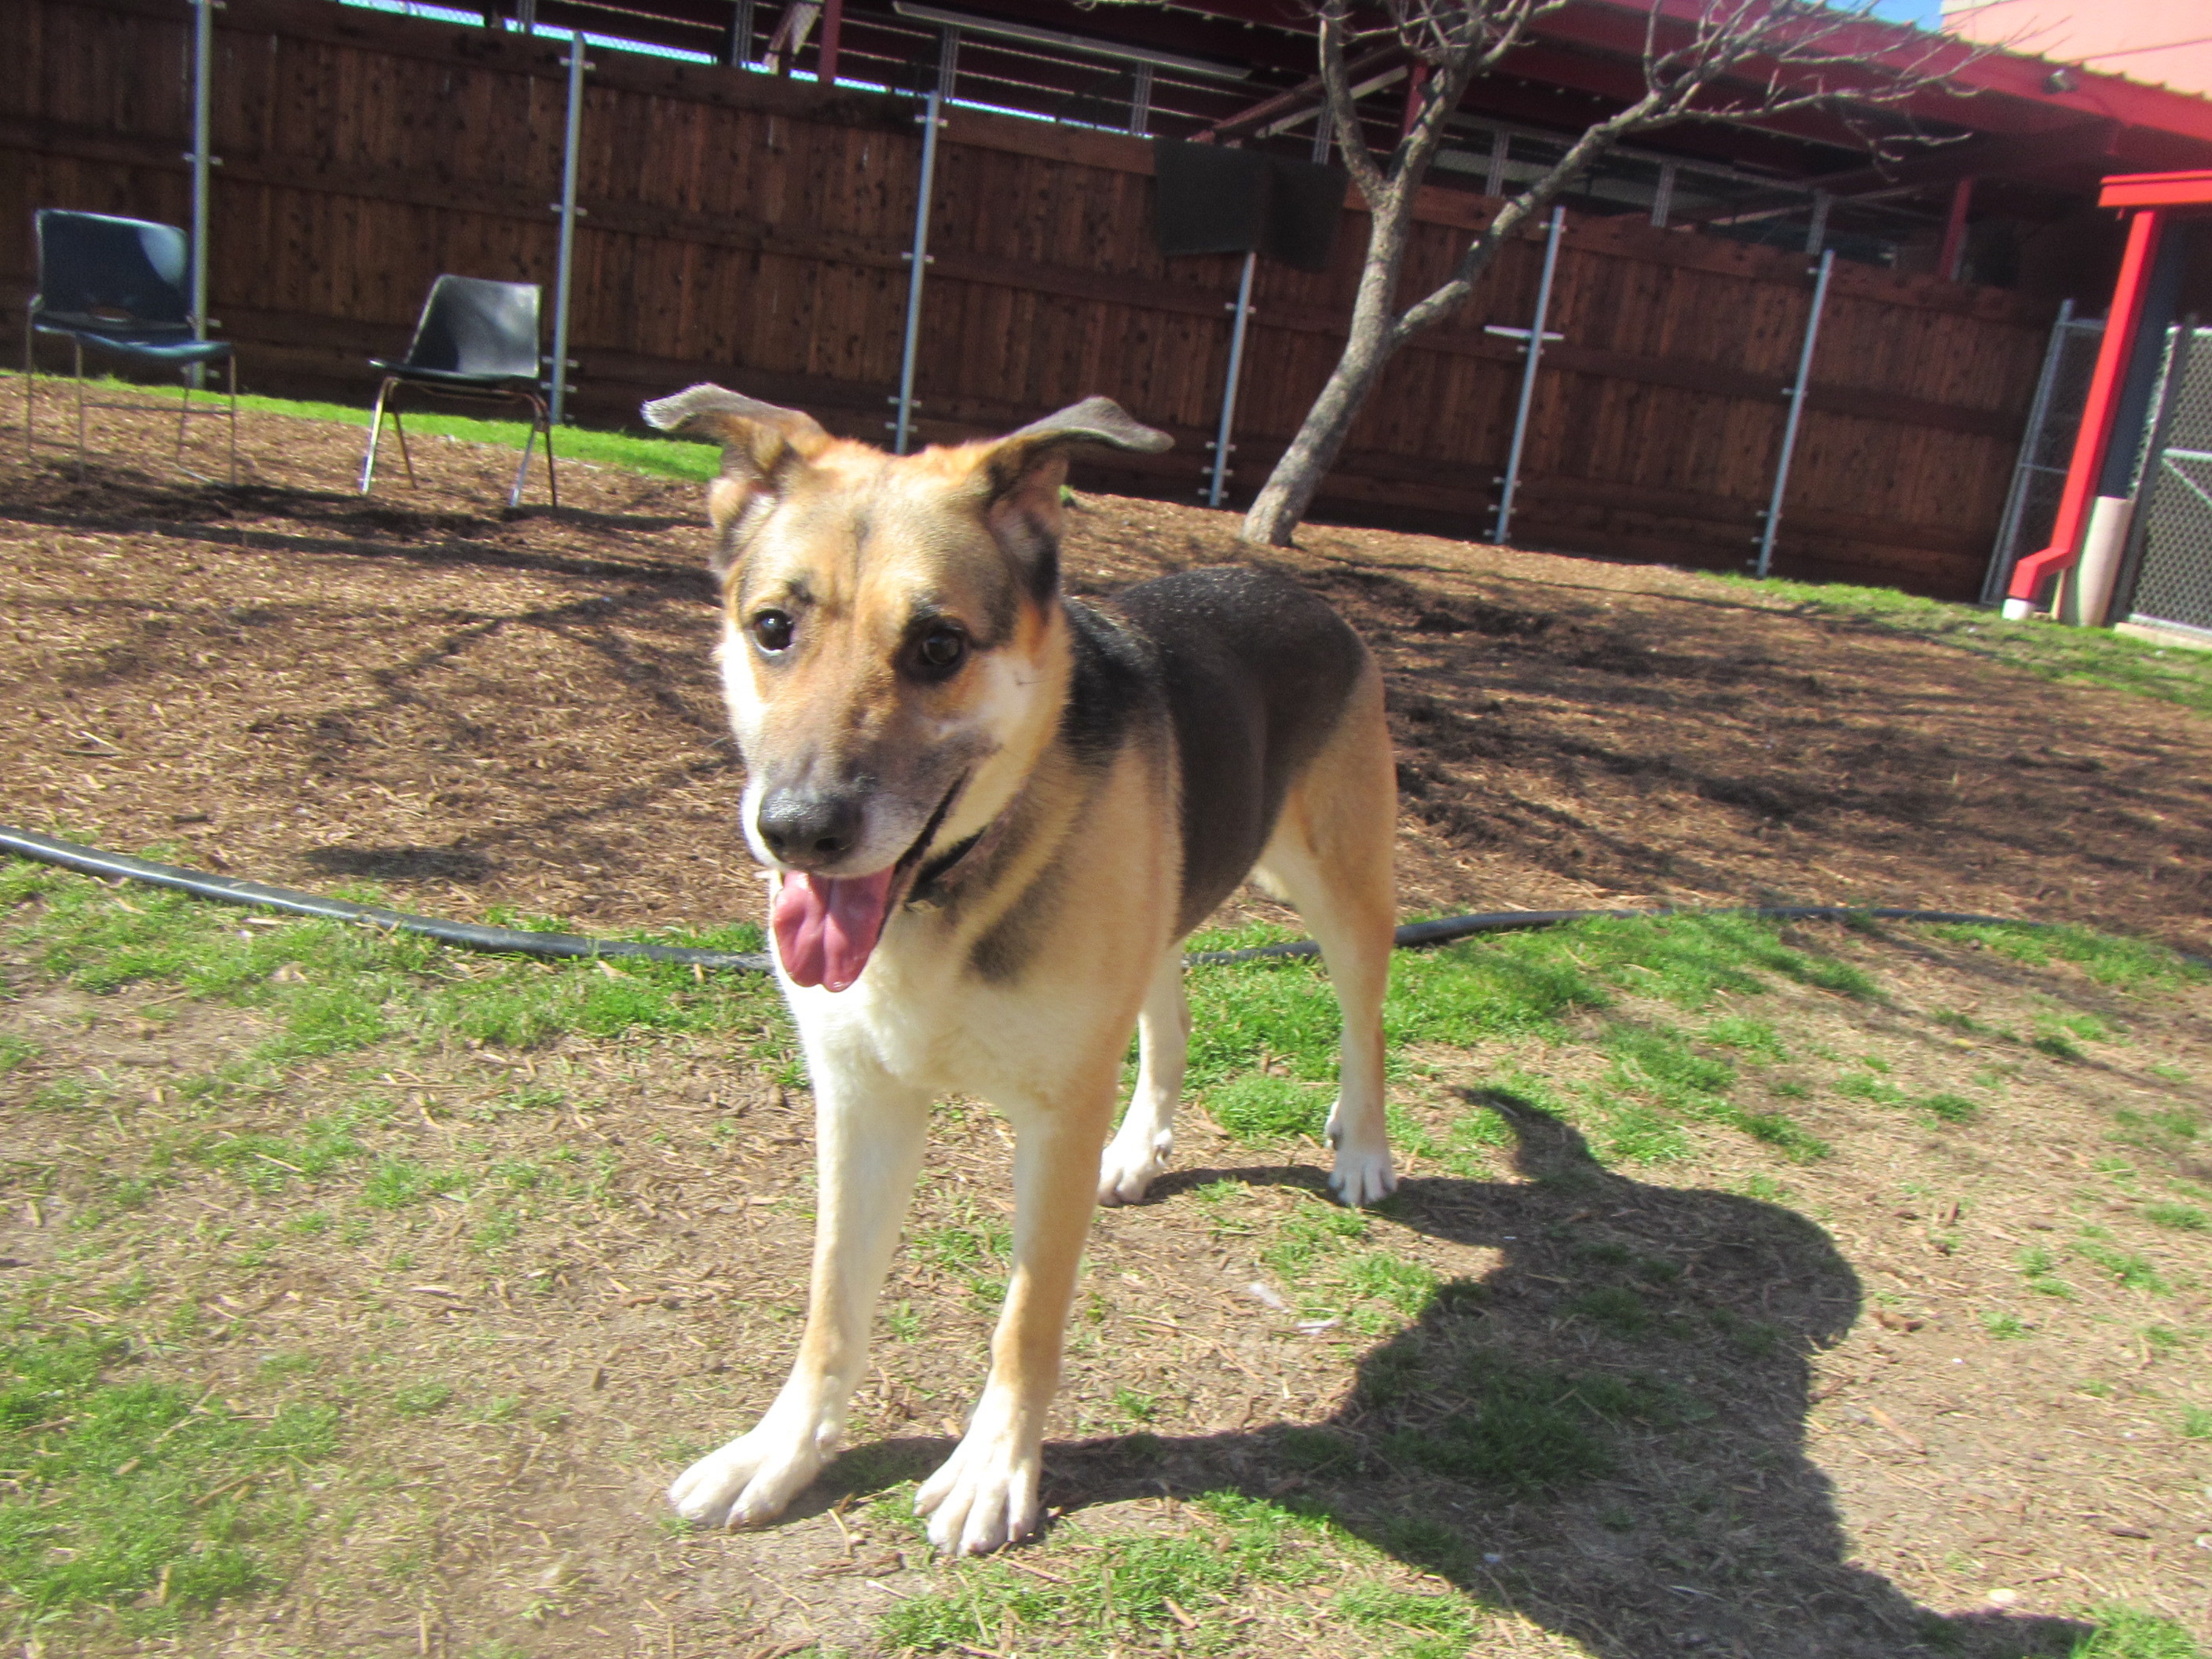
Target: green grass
359, 987
2131, 1269
1264, 1044
132, 1495
1520, 1429
2124, 964
670, 458
2124, 1632
1312, 1233
1405, 1285
1120, 1591
1442, 1627
1262, 1111
2077, 656
2184, 1218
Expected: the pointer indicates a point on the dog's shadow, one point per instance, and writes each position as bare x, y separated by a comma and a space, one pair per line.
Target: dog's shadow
1603, 1433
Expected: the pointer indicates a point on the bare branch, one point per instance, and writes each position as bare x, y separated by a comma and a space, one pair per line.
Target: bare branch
1352, 142
1728, 60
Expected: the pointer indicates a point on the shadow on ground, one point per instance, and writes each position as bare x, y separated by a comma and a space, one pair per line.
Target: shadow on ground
1604, 1434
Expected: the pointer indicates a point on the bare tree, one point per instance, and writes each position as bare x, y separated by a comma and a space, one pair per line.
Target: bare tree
1727, 60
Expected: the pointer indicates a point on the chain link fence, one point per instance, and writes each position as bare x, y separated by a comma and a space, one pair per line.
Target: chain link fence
2167, 578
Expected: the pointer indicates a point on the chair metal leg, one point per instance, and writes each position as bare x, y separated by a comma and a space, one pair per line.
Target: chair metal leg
552, 480
529, 442
375, 430
405, 459
184, 414
30, 386
232, 361
78, 347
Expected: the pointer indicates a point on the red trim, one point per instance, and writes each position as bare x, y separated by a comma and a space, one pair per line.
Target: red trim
2089, 443
1954, 231
833, 26
1415, 83
2157, 189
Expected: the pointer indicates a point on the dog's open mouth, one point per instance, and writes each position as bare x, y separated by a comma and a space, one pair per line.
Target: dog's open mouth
826, 926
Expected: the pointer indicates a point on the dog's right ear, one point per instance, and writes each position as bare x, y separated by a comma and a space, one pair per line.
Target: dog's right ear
762, 444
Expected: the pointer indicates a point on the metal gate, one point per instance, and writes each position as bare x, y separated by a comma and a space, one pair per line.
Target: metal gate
2167, 578
2038, 477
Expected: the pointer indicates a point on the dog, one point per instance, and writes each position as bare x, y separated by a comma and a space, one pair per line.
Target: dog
992, 814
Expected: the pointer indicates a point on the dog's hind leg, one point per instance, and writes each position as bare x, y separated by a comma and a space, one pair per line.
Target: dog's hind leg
1139, 1149
1330, 856
869, 1131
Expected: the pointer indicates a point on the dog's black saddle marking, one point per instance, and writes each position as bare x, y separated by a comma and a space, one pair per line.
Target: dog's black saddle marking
1255, 672
1250, 674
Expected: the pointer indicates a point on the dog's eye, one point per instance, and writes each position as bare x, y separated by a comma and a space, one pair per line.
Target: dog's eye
772, 630
939, 650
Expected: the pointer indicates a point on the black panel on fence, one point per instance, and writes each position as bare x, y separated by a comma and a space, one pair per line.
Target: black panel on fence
1213, 199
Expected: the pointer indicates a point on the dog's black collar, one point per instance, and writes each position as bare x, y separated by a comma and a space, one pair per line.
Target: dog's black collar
933, 887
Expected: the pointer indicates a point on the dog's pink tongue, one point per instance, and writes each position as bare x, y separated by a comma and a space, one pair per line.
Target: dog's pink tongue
827, 925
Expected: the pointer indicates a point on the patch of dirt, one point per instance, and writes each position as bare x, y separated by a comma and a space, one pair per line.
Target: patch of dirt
471, 709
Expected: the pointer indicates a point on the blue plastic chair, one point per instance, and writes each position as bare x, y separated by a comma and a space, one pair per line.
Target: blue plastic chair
116, 285
475, 339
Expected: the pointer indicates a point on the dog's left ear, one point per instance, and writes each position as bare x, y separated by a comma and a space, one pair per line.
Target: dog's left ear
1026, 469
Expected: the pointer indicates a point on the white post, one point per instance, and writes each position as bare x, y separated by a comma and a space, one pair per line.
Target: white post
1663, 198
903, 428
1796, 414
1221, 444
1528, 378
1324, 133
1140, 103
564, 268
1816, 232
202, 62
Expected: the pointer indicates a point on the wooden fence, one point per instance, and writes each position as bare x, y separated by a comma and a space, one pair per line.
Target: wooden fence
755, 231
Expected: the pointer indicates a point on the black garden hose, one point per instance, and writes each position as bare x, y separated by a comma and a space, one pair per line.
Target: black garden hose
119, 867
93, 862
1445, 929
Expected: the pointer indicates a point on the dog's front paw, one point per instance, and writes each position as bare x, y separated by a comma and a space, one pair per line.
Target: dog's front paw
1359, 1179
986, 1494
1132, 1164
750, 1481
1363, 1174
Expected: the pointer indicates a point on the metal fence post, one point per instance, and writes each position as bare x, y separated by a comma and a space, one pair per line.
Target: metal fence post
918, 260
203, 69
1535, 347
564, 268
1773, 514
1816, 230
1221, 444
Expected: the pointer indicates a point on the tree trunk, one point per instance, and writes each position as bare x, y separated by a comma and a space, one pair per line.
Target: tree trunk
1290, 489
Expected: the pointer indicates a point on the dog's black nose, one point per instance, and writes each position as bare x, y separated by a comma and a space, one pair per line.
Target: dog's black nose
803, 828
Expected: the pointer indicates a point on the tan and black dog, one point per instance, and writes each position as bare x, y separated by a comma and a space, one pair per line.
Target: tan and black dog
993, 814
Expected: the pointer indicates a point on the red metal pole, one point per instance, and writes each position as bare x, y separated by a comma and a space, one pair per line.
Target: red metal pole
2096, 430
833, 26
1415, 82
1954, 232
